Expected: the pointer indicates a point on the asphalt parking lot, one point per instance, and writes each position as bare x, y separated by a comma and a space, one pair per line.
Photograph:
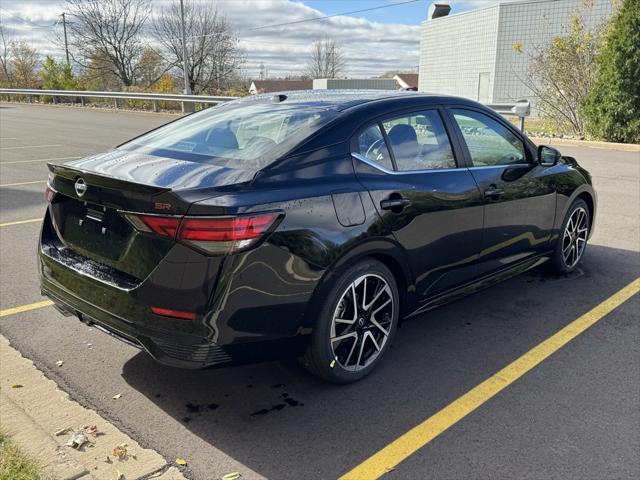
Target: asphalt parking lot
575, 415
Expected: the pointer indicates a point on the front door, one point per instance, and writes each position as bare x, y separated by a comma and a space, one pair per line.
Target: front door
432, 206
519, 197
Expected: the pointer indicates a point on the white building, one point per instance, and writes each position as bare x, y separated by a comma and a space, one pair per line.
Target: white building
484, 54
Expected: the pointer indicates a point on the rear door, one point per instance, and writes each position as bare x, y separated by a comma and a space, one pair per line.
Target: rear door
430, 203
519, 196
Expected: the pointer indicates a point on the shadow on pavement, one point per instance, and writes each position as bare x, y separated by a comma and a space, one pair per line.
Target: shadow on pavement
281, 422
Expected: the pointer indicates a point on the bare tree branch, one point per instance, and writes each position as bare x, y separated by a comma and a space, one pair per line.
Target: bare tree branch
326, 60
214, 54
110, 29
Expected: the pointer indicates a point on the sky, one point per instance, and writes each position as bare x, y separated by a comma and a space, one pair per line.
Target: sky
372, 42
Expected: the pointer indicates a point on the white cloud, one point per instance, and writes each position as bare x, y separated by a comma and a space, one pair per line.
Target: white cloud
369, 47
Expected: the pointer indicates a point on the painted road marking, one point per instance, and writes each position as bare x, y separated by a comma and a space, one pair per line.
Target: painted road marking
29, 146
416, 438
39, 160
20, 222
25, 308
22, 183
7, 138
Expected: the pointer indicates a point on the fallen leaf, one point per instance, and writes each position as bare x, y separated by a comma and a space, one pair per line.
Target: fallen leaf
389, 469
59, 363
181, 461
120, 475
332, 364
117, 396
16, 385
231, 476
120, 451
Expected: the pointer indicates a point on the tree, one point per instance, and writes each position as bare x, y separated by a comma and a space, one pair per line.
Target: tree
612, 108
110, 29
57, 75
151, 67
5, 78
326, 61
214, 55
23, 65
561, 74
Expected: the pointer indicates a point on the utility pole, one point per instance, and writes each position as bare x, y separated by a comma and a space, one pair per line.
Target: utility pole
185, 61
66, 43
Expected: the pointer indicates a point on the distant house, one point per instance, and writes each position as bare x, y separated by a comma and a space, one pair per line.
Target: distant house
407, 81
268, 86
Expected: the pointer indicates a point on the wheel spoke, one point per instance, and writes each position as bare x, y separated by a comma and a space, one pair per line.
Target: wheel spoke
339, 338
353, 347
379, 327
373, 339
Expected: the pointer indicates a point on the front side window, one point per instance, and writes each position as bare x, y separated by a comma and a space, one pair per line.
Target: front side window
489, 142
371, 144
419, 141
234, 135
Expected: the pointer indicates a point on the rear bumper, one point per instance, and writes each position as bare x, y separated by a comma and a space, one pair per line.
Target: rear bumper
231, 327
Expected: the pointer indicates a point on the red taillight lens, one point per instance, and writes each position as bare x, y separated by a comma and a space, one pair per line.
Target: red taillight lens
49, 193
226, 229
225, 234
215, 235
167, 312
161, 225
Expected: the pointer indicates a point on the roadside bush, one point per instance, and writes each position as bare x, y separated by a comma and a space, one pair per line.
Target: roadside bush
612, 108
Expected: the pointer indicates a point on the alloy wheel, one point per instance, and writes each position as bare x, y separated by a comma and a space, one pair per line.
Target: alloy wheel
574, 239
362, 322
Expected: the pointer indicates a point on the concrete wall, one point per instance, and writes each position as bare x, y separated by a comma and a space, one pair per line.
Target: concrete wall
454, 51
460, 53
532, 25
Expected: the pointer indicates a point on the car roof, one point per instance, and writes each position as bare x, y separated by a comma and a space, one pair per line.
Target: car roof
337, 100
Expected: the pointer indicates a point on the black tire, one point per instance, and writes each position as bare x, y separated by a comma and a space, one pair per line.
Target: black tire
559, 265
320, 359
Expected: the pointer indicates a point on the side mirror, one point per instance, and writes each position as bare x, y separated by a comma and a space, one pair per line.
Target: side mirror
548, 156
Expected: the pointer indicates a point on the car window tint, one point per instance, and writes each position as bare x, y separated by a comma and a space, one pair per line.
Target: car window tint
371, 144
489, 142
235, 135
419, 141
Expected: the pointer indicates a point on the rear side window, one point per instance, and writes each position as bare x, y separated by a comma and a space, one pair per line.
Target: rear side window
371, 144
489, 143
235, 135
419, 141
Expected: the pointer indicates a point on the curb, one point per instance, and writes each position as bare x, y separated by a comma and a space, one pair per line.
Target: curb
625, 147
32, 413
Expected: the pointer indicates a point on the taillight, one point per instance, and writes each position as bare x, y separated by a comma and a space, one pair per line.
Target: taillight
168, 312
225, 234
214, 235
49, 193
158, 224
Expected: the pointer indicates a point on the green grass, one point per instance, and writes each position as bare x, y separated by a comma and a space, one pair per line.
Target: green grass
15, 465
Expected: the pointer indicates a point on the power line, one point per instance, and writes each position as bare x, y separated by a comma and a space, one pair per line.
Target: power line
379, 7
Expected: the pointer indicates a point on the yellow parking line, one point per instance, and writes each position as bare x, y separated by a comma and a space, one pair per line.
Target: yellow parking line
22, 183
416, 438
20, 222
25, 308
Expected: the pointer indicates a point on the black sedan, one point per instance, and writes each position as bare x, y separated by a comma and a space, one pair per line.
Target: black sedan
304, 224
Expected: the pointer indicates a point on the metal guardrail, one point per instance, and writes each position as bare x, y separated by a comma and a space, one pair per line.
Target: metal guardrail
520, 109
186, 100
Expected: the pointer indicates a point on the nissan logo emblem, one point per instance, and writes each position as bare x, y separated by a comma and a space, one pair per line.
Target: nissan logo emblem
80, 186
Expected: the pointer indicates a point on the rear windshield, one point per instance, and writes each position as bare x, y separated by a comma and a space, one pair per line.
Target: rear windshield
234, 135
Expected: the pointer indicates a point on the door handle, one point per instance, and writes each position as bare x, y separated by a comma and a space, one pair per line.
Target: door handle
395, 204
493, 192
